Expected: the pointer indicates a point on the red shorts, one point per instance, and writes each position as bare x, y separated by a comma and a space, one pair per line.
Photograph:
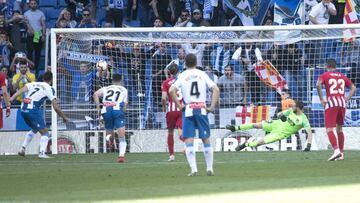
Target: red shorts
334, 116
174, 119
1, 118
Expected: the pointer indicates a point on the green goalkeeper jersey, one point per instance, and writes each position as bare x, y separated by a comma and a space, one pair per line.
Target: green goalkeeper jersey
293, 123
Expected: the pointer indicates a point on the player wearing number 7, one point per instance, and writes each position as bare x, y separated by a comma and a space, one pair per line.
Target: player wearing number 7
335, 105
115, 100
36, 94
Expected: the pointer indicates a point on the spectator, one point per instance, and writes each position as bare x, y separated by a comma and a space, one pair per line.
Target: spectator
5, 49
21, 78
160, 9
308, 6
68, 18
210, 72
184, 19
158, 22
36, 35
234, 88
197, 19
131, 12
19, 27
114, 12
18, 58
3, 25
86, 21
145, 17
321, 12
223, 57
291, 61
179, 61
6, 8
76, 7
197, 49
249, 56
160, 59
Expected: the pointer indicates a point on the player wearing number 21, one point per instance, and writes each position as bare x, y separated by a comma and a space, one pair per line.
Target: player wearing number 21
335, 105
115, 100
31, 110
193, 85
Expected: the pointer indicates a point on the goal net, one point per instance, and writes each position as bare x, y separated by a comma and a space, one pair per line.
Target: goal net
258, 69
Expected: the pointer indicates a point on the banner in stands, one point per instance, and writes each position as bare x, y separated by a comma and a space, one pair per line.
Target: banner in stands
250, 12
72, 142
79, 56
288, 12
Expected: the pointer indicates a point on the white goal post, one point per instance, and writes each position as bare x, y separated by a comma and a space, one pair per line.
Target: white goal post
265, 37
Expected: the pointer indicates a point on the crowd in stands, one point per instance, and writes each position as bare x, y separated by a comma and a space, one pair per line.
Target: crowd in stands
23, 27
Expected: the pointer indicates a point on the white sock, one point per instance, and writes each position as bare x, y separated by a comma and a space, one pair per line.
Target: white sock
43, 143
191, 157
28, 138
209, 157
122, 146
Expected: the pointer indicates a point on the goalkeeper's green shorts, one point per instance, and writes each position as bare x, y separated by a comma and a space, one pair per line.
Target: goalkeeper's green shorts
273, 128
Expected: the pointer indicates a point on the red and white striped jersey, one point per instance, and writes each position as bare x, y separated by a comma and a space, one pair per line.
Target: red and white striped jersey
165, 88
335, 84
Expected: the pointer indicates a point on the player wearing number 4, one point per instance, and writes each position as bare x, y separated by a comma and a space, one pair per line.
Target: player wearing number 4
193, 84
36, 94
115, 100
335, 105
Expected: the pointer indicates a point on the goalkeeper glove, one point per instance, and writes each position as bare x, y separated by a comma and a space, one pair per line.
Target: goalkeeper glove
283, 118
307, 148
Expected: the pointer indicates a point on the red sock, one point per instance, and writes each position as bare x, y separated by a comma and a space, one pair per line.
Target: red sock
341, 139
170, 142
332, 139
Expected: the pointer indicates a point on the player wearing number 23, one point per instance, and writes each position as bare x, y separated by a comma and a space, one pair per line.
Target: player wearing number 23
335, 105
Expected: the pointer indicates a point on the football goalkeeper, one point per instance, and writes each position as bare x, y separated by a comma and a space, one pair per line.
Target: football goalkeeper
290, 122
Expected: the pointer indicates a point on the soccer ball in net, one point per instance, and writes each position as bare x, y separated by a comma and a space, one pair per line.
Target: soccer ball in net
101, 65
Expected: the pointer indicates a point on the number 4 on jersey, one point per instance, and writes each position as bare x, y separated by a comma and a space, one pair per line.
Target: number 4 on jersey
194, 91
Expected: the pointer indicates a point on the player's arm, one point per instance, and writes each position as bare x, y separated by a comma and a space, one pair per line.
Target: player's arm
173, 90
7, 99
19, 92
283, 115
163, 100
57, 109
96, 96
214, 98
309, 133
319, 84
351, 93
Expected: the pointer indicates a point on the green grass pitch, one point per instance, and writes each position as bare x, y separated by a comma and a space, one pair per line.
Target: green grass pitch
96, 177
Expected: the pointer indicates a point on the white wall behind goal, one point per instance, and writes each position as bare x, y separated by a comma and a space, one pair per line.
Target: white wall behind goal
155, 141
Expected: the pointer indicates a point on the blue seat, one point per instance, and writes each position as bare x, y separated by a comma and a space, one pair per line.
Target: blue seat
49, 3
52, 13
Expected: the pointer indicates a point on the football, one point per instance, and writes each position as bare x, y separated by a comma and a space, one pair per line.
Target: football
101, 65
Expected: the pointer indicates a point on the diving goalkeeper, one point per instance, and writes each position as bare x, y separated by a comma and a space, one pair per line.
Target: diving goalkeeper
290, 122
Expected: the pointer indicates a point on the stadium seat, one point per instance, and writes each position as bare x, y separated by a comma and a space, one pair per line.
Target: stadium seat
48, 3
52, 13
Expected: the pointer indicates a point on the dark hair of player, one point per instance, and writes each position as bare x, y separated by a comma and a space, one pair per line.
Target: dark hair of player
116, 78
47, 77
173, 69
299, 104
331, 63
190, 61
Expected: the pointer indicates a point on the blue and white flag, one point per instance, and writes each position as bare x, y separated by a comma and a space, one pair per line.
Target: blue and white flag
250, 12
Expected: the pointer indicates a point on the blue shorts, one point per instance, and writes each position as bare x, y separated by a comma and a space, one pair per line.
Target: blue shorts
114, 119
34, 119
197, 121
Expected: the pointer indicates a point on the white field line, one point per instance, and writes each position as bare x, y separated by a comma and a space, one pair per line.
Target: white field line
323, 194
